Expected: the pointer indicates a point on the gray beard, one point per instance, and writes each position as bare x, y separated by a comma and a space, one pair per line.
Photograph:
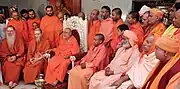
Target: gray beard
10, 40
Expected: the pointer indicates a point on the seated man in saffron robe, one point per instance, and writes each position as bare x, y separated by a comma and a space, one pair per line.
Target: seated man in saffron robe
58, 64
125, 57
156, 26
80, 74
35, 63
12, 54
166, 74
138, 73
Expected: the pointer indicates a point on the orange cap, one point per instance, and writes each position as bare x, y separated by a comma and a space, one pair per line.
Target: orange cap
157, 12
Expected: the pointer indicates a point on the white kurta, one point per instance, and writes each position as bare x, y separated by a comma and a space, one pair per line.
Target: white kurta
140, 70
119, 65
2, 34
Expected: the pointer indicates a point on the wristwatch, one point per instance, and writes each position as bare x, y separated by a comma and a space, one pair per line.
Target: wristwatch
17, 57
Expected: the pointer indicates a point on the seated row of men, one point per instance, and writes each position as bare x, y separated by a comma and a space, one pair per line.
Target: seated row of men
128, 63
134, 50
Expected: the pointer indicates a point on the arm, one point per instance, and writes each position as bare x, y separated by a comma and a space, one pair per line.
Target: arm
4, 52
132, 59
101, 56
25, 31
20, 48
109, 31
75, 49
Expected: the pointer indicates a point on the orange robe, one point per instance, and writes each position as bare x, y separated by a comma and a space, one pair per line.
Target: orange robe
31, 71
106, 29
177, 34
12, 70
57, 65
139, 32
30, 27
21, 28
78, 78
164, 76
115, 39
50, 27
157, 29
92, 31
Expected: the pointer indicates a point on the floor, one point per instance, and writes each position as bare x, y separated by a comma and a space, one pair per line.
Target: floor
20, 86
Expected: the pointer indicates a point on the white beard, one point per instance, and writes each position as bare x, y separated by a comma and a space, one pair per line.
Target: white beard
38, 40
10, 40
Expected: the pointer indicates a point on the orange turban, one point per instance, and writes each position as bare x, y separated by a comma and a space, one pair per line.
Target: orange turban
157, 12
168, 44
131, 36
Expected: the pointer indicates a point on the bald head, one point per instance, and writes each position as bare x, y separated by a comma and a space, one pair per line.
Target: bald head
176, 19
67, 33
96, 11
116, 14
147, 43
60, 15
94, 14
81, 15
98, 39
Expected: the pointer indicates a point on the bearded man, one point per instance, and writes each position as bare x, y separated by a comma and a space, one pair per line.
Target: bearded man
12, 55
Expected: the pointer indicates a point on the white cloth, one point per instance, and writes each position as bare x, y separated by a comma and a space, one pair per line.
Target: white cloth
140, 70
118, 65
1, 79
2, 34
144, 9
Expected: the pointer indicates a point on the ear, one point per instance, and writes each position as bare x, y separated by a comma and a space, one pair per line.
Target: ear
101, 41
166, 54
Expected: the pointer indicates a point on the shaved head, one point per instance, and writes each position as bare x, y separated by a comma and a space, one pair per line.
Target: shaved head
94, 14
60, 15
147, 43
81, 15
176, 19
101, 37
67, 33
98, 39
96, 10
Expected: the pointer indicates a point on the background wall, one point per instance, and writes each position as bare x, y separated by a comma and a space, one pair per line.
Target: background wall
37, 5
125, 5
87, 5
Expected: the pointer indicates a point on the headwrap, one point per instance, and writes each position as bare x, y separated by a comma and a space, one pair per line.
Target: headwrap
144, 9
157, 12
168, 44
131, 36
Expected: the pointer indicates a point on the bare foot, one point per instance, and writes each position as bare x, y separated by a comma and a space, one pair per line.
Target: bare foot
14, 85
10, 84
55, 83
